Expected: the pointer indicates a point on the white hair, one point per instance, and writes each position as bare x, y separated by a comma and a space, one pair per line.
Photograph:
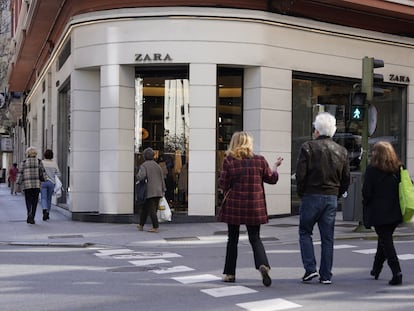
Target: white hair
325, 124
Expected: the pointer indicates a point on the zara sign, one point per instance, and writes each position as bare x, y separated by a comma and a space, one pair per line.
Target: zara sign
152, 57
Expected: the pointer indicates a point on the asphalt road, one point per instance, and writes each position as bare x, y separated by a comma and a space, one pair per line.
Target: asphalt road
63, 265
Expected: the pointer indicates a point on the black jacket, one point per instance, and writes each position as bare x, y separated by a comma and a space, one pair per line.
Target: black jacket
322, 168
380, 199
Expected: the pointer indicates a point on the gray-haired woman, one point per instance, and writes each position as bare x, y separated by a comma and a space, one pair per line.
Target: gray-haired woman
30, 175
151, 171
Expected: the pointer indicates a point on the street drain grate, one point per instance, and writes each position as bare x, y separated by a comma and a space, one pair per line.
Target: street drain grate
69, 236
190, 238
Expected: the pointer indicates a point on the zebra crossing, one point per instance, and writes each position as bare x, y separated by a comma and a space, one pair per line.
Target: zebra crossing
180, 274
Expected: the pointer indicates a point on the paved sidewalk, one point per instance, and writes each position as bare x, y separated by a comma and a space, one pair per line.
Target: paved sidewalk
60, 230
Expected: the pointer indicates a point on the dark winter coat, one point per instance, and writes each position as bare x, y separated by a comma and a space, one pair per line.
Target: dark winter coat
322, 168
245, 202
380, 200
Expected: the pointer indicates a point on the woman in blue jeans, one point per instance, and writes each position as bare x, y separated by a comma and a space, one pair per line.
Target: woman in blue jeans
48, 186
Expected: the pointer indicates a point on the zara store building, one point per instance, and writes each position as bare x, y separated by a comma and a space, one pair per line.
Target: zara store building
181, 80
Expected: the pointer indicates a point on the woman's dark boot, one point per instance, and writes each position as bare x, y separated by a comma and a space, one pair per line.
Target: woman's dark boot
396, 272
376, 268
396, 279
45, 214
375, 273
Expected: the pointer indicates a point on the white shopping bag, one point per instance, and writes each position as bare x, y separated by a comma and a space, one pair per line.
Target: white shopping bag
164, 211
57, 191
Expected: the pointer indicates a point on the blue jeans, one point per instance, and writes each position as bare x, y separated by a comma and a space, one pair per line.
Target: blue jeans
46, 191
321, 209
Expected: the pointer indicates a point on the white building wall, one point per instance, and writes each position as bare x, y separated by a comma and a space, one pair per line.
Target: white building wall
85, 140
267, 116
202, 140
269, 51
116, 152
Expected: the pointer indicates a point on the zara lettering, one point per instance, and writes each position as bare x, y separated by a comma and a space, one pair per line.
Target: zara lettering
155, 57
397, 78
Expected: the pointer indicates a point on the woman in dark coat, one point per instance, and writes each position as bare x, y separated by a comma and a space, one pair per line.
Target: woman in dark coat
242, 177
151, 171
381, 207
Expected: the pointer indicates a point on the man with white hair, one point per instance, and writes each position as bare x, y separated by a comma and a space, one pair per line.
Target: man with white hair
322, 176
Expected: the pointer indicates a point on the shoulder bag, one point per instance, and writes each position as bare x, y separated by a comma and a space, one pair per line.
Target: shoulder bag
406, 194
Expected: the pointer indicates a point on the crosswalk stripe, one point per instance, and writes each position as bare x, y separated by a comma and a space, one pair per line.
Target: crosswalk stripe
196, 278
228, 291
140, 263
406, 256
343, 246
269, 305
110, 252
172, 270
146, 255
366, 251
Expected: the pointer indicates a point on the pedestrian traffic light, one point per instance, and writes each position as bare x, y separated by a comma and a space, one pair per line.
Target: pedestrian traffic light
370, 78
358, 106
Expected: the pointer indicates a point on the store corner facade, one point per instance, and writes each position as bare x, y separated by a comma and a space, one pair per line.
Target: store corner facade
86, 103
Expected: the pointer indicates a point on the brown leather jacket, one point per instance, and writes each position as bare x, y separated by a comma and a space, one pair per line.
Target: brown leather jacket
322, 168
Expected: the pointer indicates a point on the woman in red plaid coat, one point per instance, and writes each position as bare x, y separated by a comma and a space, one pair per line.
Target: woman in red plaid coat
242, 177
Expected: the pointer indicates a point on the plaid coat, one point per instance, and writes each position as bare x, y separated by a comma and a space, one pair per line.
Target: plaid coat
245, 202
29, 176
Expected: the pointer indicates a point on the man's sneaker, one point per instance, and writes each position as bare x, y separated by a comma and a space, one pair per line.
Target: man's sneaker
327, 282
309, 276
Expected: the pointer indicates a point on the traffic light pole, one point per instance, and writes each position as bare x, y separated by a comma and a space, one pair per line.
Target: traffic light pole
367, 87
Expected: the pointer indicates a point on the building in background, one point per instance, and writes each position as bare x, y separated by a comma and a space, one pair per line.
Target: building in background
102, 80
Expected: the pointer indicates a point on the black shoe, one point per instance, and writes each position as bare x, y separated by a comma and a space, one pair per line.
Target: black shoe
309, 276
396, 279
375, 273
45, 214
31, 221
264, 271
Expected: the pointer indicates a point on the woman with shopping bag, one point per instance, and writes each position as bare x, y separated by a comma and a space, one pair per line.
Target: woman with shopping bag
152, 172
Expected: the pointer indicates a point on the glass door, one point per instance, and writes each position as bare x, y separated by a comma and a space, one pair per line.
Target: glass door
162, 123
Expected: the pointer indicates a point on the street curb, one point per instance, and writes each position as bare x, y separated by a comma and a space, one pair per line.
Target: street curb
49, 244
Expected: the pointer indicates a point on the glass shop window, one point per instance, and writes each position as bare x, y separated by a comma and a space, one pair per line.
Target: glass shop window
229, 112
314, 93
162, 123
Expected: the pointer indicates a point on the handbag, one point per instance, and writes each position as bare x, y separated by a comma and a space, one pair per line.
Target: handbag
41, 172
164, 211
406, 195
141, 191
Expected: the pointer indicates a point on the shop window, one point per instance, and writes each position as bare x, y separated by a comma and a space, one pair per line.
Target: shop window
162, 123
312, 94
229, 111
64, 54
